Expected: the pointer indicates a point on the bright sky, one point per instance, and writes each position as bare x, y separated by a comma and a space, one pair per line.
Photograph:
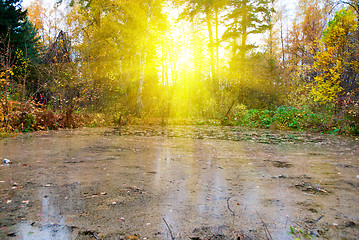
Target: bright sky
26, 3
289, 3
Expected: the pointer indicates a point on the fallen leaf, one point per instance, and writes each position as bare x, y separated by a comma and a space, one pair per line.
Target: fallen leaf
134, 237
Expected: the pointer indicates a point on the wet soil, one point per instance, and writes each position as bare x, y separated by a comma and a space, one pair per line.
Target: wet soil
178, 182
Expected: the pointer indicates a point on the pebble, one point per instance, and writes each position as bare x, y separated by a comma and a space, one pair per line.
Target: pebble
7, 161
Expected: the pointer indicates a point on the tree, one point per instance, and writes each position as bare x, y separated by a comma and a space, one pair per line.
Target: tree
12, 19
18, 45
15, 29
246, 17
208, 12
115, 42
306, 30
302, 46
337, 62
11, 22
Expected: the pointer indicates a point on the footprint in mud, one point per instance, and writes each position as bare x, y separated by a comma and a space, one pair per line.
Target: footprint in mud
211, 233
280, 164
308, 187
272, 202
221, 233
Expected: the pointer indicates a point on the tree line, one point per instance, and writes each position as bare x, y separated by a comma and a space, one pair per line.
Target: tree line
205, 59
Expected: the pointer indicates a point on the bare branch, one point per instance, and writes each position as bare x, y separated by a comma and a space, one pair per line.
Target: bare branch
356, 8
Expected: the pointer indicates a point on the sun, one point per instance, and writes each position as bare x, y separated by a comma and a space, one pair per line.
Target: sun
184, 50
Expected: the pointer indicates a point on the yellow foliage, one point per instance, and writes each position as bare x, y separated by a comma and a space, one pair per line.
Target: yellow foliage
330, 61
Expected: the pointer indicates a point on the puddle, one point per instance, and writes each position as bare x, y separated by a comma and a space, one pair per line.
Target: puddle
178, 182
50, 231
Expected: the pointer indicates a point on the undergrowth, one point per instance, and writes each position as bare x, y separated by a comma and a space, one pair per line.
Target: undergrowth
329, 121
27, 117
17, 117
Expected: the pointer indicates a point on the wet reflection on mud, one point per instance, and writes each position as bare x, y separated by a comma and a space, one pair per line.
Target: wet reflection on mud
191, 182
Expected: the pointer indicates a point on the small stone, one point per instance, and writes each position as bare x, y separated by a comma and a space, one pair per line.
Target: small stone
350, 224
7, 161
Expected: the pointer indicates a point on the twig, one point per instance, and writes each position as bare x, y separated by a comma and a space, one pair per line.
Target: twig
97, 237
298, 224
217, 166
172, 237
318, 219
229, 207
268, 235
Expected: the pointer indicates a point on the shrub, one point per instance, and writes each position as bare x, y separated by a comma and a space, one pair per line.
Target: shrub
327, 120
289, 117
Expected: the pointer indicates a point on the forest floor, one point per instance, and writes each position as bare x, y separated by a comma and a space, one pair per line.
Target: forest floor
178, 182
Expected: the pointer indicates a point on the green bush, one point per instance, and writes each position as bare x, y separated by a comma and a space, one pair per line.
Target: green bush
28, 123
255, 118
291, 118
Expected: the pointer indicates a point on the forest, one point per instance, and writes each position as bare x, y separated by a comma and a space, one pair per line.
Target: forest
179, 119
250, 63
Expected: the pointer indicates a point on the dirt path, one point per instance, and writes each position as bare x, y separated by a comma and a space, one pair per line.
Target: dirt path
184, 182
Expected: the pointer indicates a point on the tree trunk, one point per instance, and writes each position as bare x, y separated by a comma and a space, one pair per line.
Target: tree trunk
244, 33
217, 46
211, 48
24, 79
282, 41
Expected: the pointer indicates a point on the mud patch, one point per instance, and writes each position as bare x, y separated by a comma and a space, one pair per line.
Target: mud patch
272, 202
207, 182
131, 191
74, 162
280, 164
345, 165
224, 133
101, 149
219, 233
308, 187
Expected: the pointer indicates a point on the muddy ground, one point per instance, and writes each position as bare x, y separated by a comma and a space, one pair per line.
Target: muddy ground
178, 182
